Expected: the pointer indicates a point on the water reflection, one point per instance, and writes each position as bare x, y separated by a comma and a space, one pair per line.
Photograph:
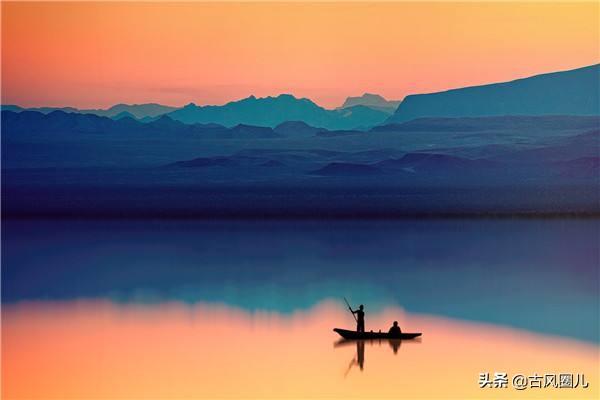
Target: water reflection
100, 349
359, 358
535, 275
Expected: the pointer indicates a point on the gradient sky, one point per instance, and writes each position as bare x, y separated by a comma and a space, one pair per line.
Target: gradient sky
98, 54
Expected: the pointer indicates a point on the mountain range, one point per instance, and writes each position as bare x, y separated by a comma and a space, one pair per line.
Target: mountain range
272, 111
267, 111
574, 92
70, 164
137, 111
59, 125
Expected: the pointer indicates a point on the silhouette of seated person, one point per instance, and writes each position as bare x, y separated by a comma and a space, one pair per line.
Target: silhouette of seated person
395, 330
360, 318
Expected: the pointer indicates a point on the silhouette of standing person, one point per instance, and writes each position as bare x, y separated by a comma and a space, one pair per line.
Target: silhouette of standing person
360, 318
359, 358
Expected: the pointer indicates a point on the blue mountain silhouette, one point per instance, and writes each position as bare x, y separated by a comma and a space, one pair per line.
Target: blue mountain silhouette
59, 123
43, 110
297, 129
146, 112
373, 101
139, 111
573, 92
347, 169
272, 111
478, 124
124, 114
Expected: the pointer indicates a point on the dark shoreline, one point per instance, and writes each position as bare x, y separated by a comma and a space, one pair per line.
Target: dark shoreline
298, 216
298, 203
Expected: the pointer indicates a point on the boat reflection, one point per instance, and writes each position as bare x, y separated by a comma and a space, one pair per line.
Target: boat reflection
359, 358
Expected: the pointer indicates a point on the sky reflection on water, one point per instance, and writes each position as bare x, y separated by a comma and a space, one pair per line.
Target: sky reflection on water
99, 349
532, 274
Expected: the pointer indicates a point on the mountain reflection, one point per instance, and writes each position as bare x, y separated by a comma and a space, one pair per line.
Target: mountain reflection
283, 266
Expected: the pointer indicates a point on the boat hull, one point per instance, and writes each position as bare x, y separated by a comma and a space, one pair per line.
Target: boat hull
353, 335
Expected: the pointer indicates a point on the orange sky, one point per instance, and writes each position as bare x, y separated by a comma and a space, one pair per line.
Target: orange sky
97, 54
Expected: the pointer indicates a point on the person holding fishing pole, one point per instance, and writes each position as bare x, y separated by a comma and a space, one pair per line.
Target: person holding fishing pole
359, 317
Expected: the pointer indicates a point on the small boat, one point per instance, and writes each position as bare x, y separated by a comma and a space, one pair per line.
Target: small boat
354, 335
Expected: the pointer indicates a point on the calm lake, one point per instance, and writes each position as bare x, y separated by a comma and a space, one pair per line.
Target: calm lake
245, 309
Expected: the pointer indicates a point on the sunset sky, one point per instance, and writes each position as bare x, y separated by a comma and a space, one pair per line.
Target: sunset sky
98, 54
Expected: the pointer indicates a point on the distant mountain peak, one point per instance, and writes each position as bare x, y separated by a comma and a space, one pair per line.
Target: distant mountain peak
371, 100
282, 96
287, 95
372, 96
133, 105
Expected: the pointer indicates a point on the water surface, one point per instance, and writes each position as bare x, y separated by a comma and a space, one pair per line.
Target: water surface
176, 309
102, 350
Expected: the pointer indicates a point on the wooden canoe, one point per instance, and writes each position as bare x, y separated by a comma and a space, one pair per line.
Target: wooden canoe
353, 335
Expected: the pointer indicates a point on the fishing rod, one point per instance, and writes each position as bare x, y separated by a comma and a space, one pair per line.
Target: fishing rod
350, 308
